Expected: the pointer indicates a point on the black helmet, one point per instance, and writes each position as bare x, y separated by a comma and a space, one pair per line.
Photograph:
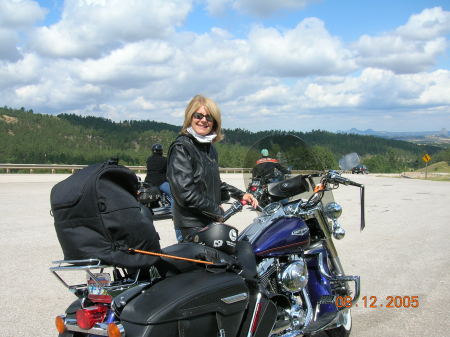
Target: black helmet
157, 148
219, 236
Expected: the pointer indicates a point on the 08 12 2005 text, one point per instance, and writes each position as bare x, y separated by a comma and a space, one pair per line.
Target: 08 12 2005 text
379, 302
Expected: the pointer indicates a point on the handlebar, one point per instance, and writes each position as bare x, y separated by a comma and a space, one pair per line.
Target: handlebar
235, 208
335, 177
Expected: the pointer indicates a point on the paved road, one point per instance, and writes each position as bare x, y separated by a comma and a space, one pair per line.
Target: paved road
404, 251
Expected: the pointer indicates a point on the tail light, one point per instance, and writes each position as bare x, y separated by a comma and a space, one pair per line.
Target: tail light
100, 298
253, 188
87, 317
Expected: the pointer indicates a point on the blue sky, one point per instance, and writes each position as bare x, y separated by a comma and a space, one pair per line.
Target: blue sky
270, 64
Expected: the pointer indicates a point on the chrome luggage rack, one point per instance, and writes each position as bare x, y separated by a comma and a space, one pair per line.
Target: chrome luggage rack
87, 265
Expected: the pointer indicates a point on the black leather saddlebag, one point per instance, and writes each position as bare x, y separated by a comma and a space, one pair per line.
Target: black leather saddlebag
199, 303
97, 215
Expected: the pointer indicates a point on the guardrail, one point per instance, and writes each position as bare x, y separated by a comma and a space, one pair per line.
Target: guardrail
53, 168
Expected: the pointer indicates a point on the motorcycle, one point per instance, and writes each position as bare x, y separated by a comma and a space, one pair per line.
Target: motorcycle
258, 187
257, 183
297, 261
285, 278
156, 200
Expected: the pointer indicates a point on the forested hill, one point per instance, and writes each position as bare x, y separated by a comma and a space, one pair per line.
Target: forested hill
28, 137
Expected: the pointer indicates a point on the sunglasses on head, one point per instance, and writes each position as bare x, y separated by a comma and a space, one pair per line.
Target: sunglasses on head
199, 116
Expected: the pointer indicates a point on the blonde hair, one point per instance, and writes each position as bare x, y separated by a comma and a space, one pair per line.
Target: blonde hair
210, 106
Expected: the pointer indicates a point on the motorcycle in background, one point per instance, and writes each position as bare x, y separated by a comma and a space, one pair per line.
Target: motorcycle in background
156, 200
257, 186
283, 279
265, 171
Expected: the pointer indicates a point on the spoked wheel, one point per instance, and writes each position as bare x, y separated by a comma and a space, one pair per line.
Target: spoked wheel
344, 330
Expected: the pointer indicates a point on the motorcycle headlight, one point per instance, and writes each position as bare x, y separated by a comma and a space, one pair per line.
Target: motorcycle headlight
333, 210
294, 276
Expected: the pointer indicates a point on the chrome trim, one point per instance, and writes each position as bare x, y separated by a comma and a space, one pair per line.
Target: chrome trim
293, 276
308, 317
343, 318
94, 330
235, 298
342, 278
68, 265
338, 231
309, 309
333, 210
71, 264
100, 329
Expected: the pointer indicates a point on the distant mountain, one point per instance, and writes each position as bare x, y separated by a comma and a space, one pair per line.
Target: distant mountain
398, 135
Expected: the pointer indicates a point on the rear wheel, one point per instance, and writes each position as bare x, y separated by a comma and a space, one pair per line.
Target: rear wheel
344, 330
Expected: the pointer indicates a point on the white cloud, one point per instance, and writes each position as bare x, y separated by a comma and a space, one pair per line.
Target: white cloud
377, 88
16, 16
25, 70
307, 49
92, 28
8, 43
67, 94
411, 48
130, 66
19, 14
431, 23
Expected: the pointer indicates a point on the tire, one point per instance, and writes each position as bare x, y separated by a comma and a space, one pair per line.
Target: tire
343, 330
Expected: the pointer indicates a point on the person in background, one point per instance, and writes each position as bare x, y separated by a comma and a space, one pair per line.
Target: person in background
157, 171
193, 170
268, 168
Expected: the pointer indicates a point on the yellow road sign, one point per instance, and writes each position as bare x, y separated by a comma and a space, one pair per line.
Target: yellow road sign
426, 158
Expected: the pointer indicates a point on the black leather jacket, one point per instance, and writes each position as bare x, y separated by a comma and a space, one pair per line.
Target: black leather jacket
156, 170
193, 175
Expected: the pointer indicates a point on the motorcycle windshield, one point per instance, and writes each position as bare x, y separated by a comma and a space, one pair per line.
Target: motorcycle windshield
288, 168
349, 161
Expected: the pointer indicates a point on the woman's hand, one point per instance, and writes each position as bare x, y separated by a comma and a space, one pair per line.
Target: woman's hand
250, 199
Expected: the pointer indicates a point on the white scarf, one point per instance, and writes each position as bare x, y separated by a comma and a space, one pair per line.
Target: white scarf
201, 139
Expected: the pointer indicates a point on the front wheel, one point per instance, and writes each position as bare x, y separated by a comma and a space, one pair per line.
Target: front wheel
344, 330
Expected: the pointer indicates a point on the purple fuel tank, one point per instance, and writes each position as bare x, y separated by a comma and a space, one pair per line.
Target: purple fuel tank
283, 236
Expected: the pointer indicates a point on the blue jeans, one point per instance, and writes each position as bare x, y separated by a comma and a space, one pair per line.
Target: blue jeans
165, 188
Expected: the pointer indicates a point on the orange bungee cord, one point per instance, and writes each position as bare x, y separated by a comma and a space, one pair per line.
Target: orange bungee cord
168, 256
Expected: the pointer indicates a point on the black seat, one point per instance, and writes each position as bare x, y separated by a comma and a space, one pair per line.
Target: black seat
289, 187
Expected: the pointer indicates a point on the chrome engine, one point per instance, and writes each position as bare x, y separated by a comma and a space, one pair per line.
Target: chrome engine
294, 276
286, 283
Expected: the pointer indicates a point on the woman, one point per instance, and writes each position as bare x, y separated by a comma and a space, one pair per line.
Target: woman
193, 170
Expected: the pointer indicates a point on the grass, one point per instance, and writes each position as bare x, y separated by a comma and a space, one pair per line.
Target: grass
440, 167
435, 172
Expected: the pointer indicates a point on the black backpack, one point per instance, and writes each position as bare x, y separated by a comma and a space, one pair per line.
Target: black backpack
97, 215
